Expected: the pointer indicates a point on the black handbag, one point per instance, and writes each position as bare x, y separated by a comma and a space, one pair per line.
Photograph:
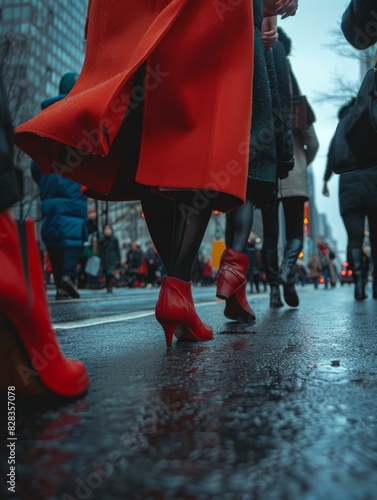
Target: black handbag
354, 145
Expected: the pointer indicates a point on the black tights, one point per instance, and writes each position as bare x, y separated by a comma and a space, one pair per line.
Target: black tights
354, 222
177, 225
238, 225
240, 221
293, 215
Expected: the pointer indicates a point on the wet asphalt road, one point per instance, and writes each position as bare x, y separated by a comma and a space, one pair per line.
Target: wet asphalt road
284, 408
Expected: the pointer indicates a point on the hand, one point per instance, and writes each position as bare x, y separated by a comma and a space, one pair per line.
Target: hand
269, 32
285, 8
325, 190
289, 7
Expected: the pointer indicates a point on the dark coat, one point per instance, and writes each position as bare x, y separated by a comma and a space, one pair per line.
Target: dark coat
356, 189
134, 259
282, 105
108, 251
355, 23
64, 210
262, 158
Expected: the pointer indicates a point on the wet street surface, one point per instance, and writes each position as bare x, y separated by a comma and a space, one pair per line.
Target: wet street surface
283, 408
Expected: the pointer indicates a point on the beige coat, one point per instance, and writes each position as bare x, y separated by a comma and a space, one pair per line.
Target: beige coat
305, 148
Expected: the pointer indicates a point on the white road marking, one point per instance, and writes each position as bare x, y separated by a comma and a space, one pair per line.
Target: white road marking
114, 318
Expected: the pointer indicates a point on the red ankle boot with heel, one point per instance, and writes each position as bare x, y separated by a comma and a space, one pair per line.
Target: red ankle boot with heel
231, 285
31, 359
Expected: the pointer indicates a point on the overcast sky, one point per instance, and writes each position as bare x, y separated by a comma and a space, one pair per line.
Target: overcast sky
315, 65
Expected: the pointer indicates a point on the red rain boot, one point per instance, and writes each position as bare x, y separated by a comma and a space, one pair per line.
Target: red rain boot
231, 285
31, 359
175, 311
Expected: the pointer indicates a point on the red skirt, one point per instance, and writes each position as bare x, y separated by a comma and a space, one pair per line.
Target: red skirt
196, 101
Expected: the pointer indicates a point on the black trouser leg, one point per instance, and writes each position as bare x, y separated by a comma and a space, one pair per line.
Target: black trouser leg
56, 255
354, 222
270, 219
293, 216
372, 220
71, 256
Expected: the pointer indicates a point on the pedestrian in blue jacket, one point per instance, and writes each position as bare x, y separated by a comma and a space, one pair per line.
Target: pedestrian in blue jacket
64, 214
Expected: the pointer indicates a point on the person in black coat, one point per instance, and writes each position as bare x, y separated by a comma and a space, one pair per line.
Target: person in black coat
357, 201
359, 26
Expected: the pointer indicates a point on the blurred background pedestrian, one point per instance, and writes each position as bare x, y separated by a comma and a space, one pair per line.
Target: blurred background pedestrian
64, 215
326, 257
133, 262
154, 265
109, 253
315, 269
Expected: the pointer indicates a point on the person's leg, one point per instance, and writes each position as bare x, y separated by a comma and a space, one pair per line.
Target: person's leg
177, 227
354, 222
159, 212
270, 217
71, 256
70, 259
56, 255
372, 220
326, 276
192, 212
293, 216
238, 225
56, 259
231, 278
294, 232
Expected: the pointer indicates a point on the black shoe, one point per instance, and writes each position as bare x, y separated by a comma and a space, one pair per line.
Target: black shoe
359, 289
70, 287
291, 252
275, 299
290, 295
355, 258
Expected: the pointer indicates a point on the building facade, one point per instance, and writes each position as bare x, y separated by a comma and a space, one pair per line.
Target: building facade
40, 41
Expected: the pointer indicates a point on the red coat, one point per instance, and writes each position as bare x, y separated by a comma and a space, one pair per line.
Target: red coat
197, 109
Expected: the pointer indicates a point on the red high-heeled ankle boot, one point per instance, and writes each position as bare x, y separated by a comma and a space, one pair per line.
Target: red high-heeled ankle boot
175, 311
31, 359
231, 285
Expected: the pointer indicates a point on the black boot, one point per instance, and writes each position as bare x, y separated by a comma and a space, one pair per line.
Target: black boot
375, 288
291, 252
289, 291
270, 261
275, 299
355, 259
286, 276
